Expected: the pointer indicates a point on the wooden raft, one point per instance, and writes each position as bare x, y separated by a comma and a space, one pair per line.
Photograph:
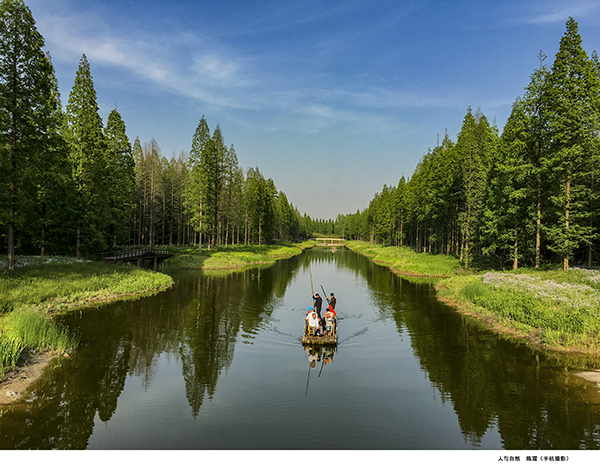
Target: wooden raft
309, 339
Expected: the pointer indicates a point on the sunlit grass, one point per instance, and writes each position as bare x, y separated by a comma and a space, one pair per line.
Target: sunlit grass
406, 260
40, 286
232, 257
561, 309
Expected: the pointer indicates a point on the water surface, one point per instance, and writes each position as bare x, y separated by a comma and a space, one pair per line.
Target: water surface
216, 362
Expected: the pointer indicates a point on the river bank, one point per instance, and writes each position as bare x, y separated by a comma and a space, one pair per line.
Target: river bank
231, 257
37, 291
548, 309
43, 287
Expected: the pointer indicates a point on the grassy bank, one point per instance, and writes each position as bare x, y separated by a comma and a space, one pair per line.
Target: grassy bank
40, 287
232, 257
547, 308
404, 260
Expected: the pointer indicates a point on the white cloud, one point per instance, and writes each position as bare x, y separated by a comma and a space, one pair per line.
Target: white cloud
560, 12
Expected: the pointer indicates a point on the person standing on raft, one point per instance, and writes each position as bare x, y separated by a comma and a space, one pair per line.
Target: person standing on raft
332, 301
318, 303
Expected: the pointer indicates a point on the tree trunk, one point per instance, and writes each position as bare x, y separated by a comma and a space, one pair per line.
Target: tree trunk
567, 207
516, 251
538, 229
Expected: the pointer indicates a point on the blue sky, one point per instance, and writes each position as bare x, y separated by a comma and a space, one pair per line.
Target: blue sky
330, 99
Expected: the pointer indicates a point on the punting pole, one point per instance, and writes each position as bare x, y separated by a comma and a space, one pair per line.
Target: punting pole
325, 294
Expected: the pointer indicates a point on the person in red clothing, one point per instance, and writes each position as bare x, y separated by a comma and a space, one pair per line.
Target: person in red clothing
330, 316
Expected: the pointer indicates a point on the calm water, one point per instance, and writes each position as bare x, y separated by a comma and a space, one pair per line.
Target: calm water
217, 363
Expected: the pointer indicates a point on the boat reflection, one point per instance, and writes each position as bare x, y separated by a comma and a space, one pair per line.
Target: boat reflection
318, 355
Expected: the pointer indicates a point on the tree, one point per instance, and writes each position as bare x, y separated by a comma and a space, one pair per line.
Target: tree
506, 220
88, 158
194, 192
120, 178
473, 148
28, 105
571, 108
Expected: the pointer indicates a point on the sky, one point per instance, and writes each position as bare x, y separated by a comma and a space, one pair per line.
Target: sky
330, 99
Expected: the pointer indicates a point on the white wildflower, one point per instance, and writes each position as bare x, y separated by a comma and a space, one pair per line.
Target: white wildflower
550, 291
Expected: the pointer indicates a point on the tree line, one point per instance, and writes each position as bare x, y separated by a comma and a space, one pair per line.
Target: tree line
71, 185
525, 196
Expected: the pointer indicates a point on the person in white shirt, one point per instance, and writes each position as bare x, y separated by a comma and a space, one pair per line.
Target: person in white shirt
314, 324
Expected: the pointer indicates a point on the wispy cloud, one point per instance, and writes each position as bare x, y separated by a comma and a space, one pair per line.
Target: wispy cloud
559, 12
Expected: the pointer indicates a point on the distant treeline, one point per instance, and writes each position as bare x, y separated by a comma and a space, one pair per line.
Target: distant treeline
523, 197
71, 185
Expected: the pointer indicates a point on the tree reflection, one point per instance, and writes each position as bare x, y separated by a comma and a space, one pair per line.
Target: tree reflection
531, 398
198, 321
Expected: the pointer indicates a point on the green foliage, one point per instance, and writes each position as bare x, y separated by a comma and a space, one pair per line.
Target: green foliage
29, 141
571, 100
120, 177
85, 136
525, 197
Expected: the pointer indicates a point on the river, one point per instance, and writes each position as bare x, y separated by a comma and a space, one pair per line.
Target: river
216, 362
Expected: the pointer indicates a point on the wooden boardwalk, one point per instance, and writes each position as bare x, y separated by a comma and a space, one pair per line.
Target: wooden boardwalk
138, 255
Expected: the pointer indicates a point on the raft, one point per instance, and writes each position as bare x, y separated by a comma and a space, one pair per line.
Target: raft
308, 339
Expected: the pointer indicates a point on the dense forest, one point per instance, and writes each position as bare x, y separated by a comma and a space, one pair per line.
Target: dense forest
70, 184
524, 197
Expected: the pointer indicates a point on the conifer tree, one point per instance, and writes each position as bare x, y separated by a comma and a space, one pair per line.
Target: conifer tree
473, 148
28, 104
120, 178
571, 109
88, 158
506, 222
194, 190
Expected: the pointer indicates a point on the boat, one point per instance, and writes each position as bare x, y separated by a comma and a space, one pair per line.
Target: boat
310, 339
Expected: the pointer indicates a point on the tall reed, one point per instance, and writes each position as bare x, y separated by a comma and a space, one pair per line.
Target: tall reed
29, 328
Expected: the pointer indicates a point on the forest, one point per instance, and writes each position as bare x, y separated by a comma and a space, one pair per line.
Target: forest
526, 196
72, 185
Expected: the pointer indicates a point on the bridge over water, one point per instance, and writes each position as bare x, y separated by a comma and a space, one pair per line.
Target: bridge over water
330, 241
138, 255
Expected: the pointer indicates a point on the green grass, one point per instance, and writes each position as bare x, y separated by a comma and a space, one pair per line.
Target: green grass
559, 309
42, 286
406, 260
29, 328
232, 257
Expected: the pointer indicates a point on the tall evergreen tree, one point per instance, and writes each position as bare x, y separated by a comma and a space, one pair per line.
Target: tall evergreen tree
28, 104
88, 158
571, 109
473, 146
194, 190
120, 178
506, 220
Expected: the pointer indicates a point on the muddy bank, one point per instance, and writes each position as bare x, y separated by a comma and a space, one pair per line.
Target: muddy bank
14, 383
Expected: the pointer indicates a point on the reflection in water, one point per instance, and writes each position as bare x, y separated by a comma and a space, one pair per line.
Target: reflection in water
216, 362
322, 355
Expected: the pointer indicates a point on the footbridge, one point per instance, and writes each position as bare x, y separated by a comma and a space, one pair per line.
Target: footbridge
138, 255
330, 241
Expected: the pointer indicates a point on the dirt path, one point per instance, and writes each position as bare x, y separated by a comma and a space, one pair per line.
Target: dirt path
14, 383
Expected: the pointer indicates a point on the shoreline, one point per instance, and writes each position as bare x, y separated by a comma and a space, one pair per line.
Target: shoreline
502, 327
15, 383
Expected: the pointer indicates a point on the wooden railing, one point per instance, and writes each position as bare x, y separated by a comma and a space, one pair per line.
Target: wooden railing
135, 254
